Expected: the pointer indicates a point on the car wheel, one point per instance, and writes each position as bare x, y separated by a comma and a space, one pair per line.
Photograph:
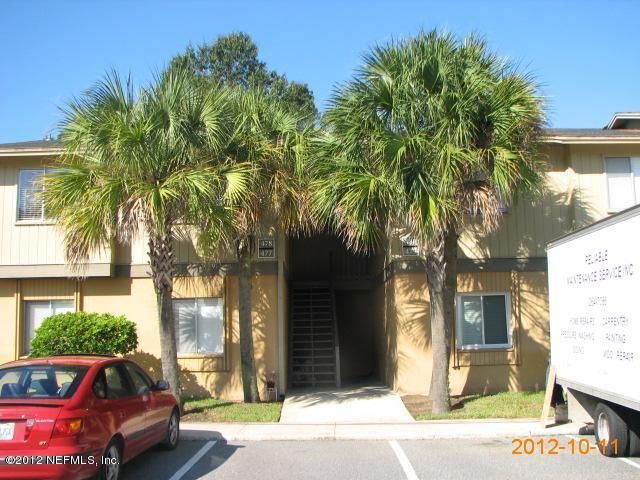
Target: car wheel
111, 462
612, 432
173, 432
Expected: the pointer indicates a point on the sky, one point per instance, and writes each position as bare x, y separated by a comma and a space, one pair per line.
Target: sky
585, 54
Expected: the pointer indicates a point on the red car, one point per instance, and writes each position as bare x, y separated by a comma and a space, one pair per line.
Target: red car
80, 416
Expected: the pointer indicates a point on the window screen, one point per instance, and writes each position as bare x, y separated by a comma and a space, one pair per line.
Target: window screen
36, 311
199, 325
623, 182
30, 205
483, 320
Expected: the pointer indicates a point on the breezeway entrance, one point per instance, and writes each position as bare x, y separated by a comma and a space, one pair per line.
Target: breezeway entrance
331, 328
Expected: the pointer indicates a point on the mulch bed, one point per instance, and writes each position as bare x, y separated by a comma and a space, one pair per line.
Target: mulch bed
420, 404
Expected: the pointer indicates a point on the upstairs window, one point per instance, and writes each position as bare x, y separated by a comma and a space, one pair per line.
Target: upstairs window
409, 247
30, 187
623, 182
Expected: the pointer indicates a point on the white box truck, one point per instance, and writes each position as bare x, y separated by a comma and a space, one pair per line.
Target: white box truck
594, 306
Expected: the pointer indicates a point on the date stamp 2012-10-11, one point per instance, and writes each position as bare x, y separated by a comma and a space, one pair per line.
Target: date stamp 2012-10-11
553, 446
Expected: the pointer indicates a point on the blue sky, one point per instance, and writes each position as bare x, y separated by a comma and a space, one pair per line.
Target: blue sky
585, 53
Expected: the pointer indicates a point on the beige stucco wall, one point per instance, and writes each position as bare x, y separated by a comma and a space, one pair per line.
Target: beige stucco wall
406, 361
219, 376
135, 298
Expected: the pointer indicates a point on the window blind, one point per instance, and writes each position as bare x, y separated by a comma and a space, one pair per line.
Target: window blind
30, 205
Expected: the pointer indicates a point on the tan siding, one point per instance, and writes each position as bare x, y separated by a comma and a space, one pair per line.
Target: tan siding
48, 289
530, 221
23, 244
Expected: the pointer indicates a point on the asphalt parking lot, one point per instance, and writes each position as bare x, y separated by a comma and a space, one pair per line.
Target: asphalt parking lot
410, 459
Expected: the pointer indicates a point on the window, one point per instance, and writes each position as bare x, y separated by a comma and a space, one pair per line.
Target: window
199, 325
116, 381
623, 182
141, 382
36, 311
41, 381
409, 246
30, 187
484, 321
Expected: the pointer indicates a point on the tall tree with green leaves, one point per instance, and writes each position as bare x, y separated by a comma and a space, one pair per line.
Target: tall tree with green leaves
232, 60
273, 141
273, 118
430, 130
147, 161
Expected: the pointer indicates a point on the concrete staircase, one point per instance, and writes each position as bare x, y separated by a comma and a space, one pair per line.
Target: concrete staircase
314, 350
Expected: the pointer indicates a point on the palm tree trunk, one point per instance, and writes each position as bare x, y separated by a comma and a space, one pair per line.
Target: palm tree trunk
441, 281
247, 360
162, 260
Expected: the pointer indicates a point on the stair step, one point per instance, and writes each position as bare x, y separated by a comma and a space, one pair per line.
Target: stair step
319, 349
313, 360
313, 357
318, 334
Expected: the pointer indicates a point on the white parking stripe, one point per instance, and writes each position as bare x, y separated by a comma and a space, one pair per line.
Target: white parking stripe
193, 460
622, 459
629, 462
404, 461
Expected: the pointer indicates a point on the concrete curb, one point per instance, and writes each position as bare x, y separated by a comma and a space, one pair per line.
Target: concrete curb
397, 431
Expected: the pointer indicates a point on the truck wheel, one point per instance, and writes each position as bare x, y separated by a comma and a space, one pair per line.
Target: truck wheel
612, 432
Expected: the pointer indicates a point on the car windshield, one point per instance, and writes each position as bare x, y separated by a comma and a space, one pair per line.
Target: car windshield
40, 381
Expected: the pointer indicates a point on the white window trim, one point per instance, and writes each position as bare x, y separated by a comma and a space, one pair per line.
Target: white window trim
30, 221
224, 331
460, 316
606, 180
23, 347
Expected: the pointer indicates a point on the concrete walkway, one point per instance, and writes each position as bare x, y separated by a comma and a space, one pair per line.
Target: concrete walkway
399, 431
353, 405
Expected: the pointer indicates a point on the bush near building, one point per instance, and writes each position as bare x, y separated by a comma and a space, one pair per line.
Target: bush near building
84, 332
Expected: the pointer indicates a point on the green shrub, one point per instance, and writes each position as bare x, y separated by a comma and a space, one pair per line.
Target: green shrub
84, 332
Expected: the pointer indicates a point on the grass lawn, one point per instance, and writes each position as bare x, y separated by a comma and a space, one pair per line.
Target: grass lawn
214, 410
499, 405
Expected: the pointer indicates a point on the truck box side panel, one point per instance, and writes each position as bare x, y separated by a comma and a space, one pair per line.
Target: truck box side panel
594, 303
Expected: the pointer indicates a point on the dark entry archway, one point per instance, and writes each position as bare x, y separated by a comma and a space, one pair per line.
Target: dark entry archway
331, 337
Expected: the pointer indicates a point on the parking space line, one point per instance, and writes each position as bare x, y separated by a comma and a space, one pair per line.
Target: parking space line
193, 460
622, 459
629, 462
404, 461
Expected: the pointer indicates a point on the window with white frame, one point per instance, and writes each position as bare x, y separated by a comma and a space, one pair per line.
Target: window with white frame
30, 187
484, 320
199, 325
623, 182
36, 311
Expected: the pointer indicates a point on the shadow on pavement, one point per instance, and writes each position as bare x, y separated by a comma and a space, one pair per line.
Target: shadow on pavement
158, 464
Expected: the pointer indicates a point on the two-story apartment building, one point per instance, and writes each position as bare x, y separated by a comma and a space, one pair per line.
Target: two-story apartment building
322, 315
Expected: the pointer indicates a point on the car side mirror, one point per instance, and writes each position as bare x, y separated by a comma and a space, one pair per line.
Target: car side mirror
161, 385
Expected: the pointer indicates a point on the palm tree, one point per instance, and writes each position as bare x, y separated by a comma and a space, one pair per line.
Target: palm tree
429, 130
149, 161
272, 140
